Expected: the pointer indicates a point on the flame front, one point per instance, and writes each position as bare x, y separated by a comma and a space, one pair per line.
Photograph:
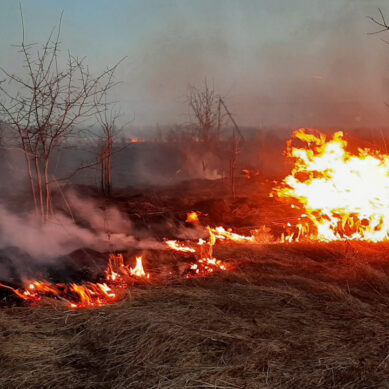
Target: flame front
90, 294
344, 195
119, 277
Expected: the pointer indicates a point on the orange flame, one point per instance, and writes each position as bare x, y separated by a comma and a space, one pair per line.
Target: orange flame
177, 246
343, 195
221, 233
138, 270
117, 277
192, 217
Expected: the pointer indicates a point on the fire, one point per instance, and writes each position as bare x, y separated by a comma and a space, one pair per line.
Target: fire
250, 174
114, 268
224, 234
205, 266
93, 295
120, 276
192, 217
342, 195
138, 270
339, 194
34, 290
136, 140
117, 276
206, 262
204, 249
177, 246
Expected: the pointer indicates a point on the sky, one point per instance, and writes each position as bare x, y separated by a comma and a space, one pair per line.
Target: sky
293, 63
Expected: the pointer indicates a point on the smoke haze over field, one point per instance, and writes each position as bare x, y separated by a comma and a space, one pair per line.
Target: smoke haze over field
103, 229
291, 63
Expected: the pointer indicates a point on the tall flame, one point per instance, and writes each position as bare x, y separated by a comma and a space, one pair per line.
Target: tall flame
138, 270
344, 195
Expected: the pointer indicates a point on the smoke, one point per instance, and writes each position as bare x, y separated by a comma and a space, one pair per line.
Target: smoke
98, 229
99, 218
301, 64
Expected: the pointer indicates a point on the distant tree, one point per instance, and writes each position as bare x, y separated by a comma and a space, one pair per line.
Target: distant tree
45, 105
204, 104
107, 119
211, 112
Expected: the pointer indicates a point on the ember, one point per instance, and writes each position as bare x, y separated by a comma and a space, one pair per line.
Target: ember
192, 217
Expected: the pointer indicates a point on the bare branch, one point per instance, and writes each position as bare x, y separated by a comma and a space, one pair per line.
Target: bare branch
379, 22
45, 105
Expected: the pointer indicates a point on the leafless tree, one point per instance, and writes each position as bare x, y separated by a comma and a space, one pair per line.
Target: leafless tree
205, 106
107, 119
211, 112
45, 106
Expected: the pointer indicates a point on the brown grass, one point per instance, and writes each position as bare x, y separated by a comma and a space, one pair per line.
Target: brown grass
288, 316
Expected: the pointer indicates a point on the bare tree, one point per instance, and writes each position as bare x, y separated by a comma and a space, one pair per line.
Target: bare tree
205, 106
211, 112
107, 119
45, 106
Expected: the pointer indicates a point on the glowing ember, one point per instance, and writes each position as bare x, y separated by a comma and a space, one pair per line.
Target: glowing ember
205, 266
192, 217
343, 195
249, 174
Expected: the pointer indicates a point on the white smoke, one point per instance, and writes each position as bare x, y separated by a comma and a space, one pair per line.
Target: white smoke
96, 228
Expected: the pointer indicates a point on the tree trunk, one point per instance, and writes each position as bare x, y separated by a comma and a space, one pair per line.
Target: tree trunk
48, 210
40, 188
106, 165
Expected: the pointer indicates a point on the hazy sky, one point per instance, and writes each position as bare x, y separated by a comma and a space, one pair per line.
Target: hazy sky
295, 63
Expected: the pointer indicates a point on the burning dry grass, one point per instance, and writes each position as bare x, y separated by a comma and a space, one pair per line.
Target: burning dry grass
313, 315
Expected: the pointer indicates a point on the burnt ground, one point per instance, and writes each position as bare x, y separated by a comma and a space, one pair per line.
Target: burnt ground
301, 315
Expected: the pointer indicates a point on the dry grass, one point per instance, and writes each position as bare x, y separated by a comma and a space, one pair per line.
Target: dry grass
288, 316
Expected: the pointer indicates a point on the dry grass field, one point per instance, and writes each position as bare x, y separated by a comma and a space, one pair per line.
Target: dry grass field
293, 315
288, 316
